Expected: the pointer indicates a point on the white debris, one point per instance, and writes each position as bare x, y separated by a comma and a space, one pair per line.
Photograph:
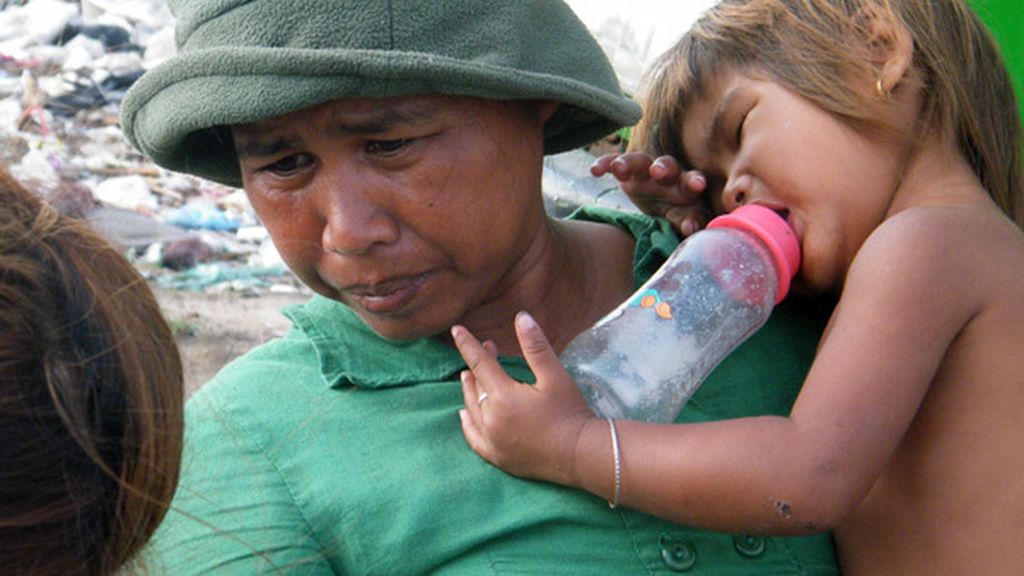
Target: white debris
128, 192
37, 22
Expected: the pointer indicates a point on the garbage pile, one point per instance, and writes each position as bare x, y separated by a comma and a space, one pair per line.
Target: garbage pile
64, 69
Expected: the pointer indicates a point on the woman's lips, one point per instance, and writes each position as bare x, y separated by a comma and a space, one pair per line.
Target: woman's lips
387, 297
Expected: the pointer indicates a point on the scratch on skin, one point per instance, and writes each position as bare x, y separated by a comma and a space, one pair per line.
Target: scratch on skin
786, 511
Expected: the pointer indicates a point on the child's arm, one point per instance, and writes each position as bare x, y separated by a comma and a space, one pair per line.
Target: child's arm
773, 475
659, 187
702, 475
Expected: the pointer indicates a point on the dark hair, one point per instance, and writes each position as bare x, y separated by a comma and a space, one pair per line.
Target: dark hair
91, 393
817, 47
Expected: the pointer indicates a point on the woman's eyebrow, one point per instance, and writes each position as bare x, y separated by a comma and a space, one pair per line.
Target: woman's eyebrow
256, 147
380, 120
256, 143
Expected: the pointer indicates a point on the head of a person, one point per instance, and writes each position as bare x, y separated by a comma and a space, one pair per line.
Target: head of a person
838, 55
90, 400
392, 148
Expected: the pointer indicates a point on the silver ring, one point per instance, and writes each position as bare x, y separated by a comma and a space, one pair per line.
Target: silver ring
480, 399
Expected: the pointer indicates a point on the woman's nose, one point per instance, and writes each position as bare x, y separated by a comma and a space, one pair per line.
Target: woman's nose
736, 192
356, 220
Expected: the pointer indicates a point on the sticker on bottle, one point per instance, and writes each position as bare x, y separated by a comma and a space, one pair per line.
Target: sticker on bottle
652, 299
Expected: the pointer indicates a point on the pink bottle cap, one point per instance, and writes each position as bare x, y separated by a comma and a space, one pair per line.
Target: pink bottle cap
776, 234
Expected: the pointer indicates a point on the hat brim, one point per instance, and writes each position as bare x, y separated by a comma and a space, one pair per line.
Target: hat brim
178, 114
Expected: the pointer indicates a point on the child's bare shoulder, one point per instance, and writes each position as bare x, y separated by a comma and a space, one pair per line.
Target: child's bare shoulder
973, 258
960, 239
952, 224
952, 262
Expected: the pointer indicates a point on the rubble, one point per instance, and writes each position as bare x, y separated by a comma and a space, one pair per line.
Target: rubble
64, 69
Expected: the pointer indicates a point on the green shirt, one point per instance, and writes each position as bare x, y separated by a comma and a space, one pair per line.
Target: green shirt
333, 451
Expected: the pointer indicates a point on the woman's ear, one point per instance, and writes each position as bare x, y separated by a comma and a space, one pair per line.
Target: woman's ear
547, 108
889, 44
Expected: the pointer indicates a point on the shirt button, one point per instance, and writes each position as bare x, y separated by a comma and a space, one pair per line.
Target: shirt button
679, 555
749, 546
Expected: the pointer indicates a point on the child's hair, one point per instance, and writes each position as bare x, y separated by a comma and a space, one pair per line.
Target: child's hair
91, 393
815, 47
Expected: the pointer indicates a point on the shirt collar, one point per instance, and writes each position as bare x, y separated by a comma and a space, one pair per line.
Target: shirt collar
351, 354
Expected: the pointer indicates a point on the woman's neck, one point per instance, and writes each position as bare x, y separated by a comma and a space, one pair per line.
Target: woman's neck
573, 274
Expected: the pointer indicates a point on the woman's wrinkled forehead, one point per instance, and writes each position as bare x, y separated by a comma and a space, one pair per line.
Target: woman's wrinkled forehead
350, 116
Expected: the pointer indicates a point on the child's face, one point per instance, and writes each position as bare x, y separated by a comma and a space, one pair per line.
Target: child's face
760, 143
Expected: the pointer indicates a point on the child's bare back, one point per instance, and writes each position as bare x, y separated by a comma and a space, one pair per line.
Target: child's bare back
954, 490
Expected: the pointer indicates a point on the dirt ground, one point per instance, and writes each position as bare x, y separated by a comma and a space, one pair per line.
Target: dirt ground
213, 329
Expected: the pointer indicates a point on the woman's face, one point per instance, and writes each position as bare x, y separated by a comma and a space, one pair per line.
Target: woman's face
760, 143
413, 211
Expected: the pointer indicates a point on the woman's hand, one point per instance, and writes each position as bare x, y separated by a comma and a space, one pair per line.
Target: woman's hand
659, 187
528, 431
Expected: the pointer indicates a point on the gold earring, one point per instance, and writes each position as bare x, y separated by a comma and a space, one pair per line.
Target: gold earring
882, 92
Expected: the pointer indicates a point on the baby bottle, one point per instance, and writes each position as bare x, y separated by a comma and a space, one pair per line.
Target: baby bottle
645, 359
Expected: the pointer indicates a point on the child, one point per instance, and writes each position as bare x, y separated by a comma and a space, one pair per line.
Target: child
887, 133
90, 397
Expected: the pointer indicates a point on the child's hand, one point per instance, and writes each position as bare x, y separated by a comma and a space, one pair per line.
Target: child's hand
528, 431
659, 187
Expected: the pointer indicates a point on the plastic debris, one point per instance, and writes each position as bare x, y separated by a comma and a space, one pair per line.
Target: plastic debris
568, 184
206, 276
128, 192
35, 22
201, 214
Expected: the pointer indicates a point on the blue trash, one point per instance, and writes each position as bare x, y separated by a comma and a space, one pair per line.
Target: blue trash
201, 215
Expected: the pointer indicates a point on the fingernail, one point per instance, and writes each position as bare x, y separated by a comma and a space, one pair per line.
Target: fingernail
688, 227
699, 179
525, 322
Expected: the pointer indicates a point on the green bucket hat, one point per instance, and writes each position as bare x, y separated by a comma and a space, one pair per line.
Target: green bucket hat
240, 61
